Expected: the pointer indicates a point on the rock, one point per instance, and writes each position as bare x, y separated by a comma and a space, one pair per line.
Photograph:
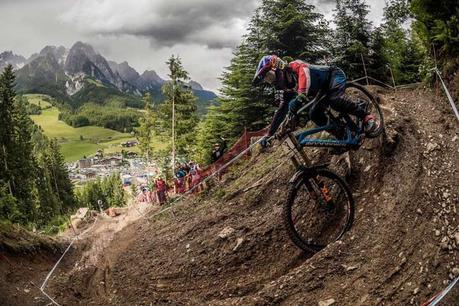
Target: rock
431, 146
456, 237
226, 232
455, 138
367, 168
419, 211
437, 233
351, 268
238, 243
416, 291
456, 272
26, 290
444, 243
391, 141
327, 302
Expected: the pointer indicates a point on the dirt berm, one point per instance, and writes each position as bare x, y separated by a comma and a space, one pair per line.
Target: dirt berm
229, 247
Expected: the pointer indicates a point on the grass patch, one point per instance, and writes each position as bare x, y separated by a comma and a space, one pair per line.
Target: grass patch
83, 141
39, 100
15, 239
96, 83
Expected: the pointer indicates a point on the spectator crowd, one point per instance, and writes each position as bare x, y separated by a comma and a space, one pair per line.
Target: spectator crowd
188, 176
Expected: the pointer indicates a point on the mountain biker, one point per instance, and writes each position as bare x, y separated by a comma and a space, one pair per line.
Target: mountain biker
296, 81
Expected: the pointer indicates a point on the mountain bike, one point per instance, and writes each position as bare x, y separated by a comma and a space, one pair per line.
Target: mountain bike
320, 206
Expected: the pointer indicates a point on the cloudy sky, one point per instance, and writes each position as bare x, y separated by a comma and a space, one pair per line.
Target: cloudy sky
143, 32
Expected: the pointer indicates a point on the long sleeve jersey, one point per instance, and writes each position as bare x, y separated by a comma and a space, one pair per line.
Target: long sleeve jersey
310, 78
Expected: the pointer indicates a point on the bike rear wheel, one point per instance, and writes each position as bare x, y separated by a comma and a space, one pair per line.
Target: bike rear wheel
357, 92
319, 210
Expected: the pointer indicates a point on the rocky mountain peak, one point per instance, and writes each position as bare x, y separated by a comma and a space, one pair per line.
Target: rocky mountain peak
83, 48
195, 85
152, 76
59, 53
8, 57
125, 71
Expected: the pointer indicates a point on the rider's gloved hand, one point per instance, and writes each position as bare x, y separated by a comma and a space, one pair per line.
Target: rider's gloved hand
302, 98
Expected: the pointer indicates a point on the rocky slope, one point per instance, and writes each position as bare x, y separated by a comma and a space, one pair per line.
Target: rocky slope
229, 247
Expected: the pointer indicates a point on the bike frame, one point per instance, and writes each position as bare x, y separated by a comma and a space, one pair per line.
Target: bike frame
349, 141
297, 141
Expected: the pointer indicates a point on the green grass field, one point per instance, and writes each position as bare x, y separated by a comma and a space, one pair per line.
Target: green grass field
38, 100
78, 142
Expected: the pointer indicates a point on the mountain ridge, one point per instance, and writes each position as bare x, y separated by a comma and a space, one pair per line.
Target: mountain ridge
110, 67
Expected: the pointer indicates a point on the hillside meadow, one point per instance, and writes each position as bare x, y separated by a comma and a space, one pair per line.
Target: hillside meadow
78, 142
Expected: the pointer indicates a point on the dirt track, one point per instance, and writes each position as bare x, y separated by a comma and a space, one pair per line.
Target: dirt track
401, 249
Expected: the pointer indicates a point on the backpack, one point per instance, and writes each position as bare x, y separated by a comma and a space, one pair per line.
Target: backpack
180, 173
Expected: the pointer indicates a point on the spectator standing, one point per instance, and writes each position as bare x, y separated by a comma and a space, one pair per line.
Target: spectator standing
195, 172
219, 150
161, 191
180, 180
217, 153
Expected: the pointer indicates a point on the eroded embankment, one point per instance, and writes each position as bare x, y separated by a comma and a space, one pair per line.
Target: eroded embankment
229, 247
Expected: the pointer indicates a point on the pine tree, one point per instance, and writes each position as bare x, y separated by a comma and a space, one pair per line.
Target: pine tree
6, 126
378, 66
23, 161
63, 185
147, 125
8, 204
283, 27
395, 36
209, 131
34, 182
352, 36
17, 169
294, 29
185, 106
113, 191
437, 24
413, 56
47, 202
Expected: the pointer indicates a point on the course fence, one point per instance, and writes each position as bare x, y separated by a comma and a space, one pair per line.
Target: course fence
240, 145
448, 95
441, 295
48, 276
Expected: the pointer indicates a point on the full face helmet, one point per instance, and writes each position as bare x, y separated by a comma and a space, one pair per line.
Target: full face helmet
269, 70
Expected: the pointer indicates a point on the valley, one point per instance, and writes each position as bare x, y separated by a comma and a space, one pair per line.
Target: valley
78, 142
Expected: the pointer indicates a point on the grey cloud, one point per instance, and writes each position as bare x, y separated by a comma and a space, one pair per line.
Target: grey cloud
137, 30
215, 24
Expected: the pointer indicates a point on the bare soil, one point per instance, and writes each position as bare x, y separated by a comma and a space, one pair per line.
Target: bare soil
229, 247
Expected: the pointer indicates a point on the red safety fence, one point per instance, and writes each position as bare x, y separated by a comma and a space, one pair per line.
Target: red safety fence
240, 145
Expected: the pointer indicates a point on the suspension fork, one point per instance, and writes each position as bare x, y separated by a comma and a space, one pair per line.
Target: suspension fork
299, 157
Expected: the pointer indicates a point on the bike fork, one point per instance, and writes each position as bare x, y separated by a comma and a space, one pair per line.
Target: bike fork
299, 157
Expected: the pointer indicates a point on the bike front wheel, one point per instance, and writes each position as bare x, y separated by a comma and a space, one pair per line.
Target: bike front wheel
319, 210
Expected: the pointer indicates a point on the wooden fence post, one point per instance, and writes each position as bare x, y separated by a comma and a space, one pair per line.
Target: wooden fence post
365, 69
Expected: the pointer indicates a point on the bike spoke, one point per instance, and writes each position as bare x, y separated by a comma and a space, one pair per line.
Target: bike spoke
318, 213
